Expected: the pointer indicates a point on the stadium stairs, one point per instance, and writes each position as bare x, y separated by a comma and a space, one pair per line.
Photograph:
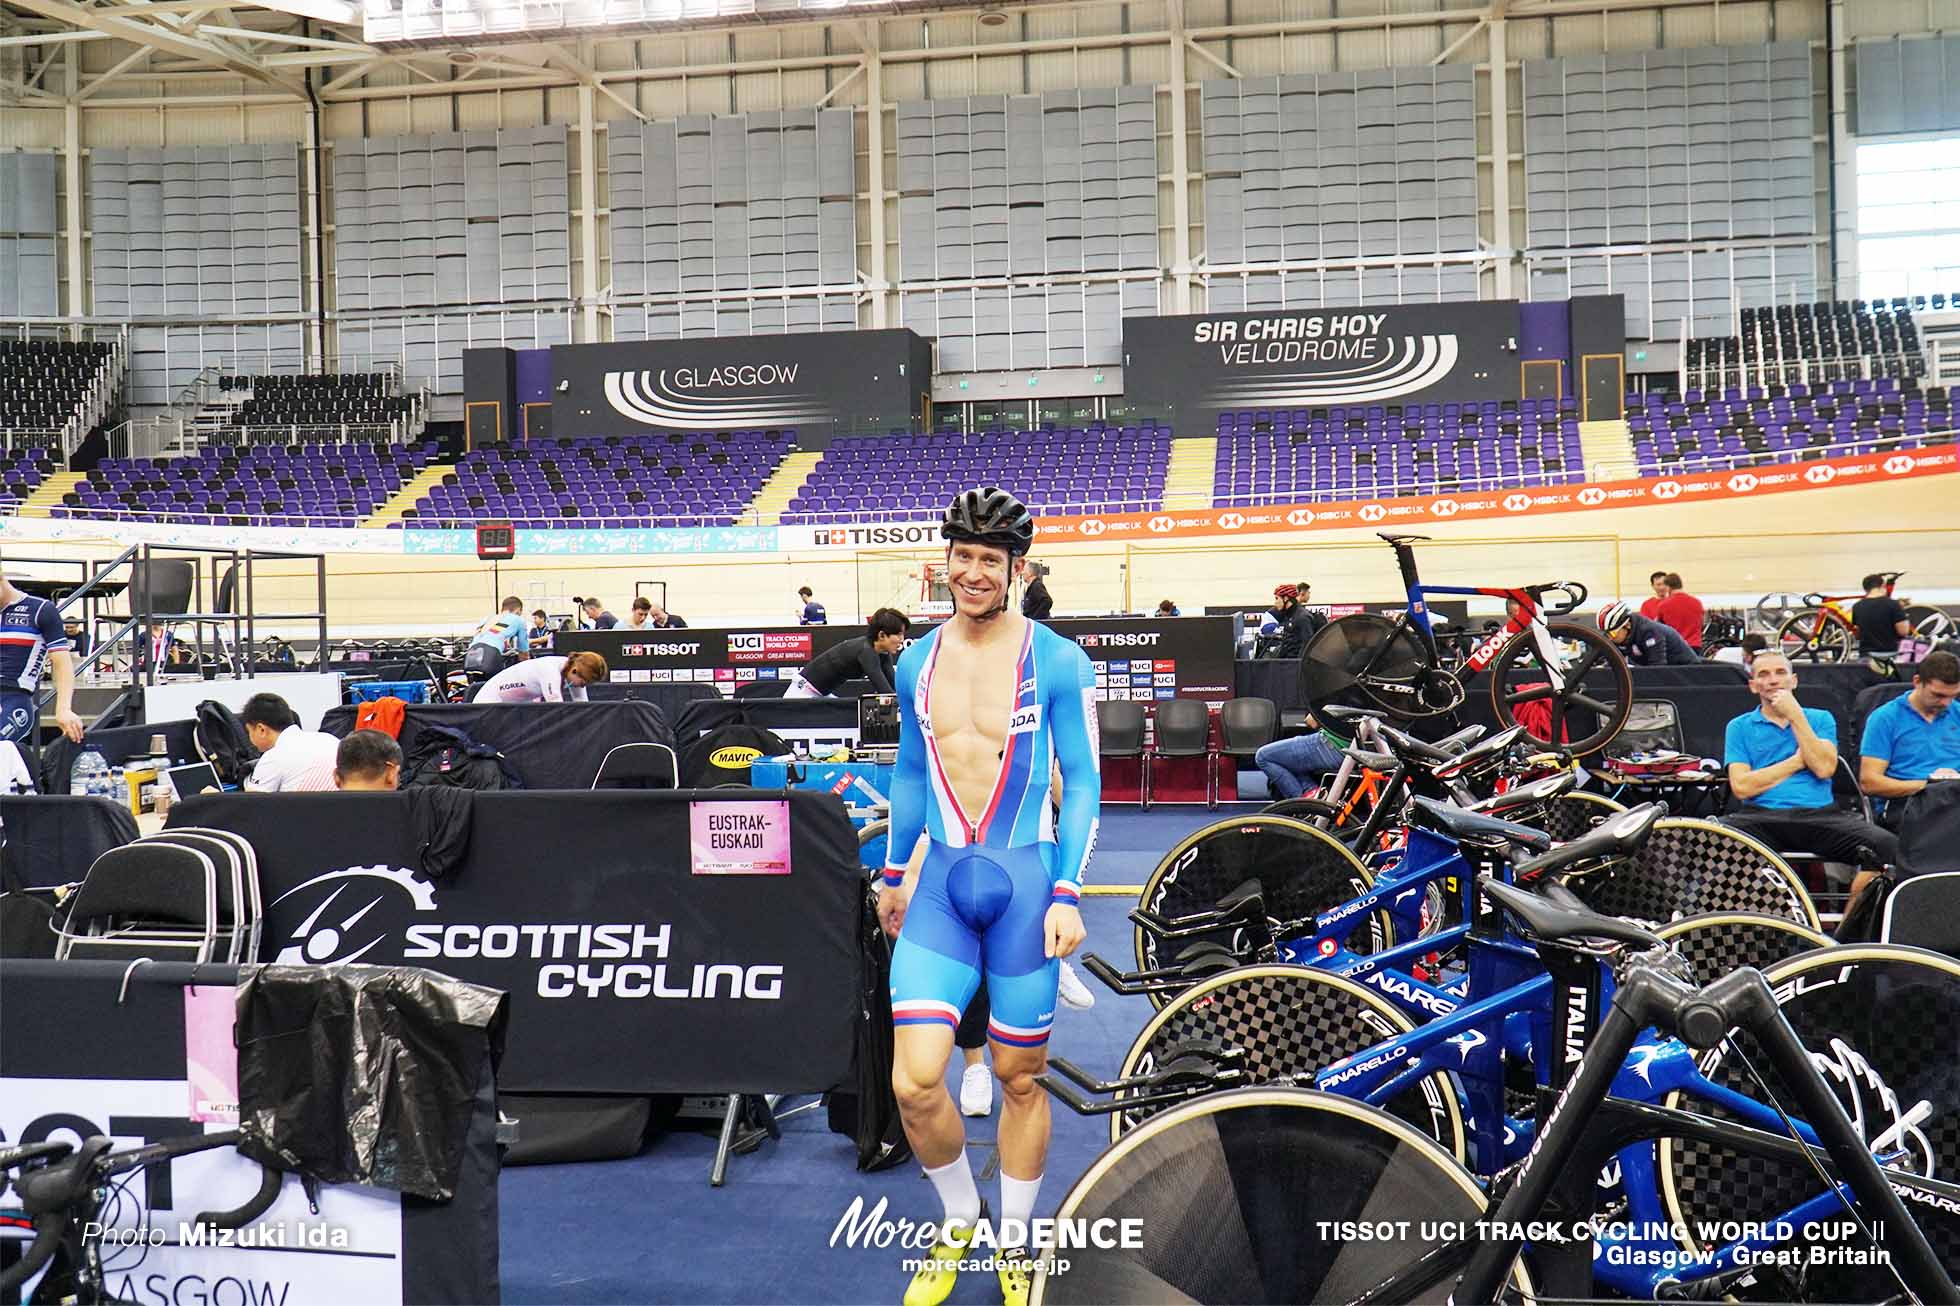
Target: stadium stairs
47, 494
408, 496
783, 485
1606, 444
1188, 479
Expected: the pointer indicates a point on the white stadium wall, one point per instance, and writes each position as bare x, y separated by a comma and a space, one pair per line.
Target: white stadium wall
996, 300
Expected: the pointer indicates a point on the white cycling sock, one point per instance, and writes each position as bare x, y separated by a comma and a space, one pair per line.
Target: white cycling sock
1017, 1200
957, 1192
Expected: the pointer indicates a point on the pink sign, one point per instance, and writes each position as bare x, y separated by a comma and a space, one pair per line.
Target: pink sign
739, 838
210, 1057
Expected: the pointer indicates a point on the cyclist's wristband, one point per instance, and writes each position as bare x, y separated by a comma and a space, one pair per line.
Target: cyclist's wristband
894, 877
1068, 892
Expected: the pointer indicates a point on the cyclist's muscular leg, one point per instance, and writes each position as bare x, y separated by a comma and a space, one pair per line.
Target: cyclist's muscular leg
1024, 1122
932, 1123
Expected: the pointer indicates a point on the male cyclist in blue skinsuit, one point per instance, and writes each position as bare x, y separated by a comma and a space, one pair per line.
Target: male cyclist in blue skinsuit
989, 703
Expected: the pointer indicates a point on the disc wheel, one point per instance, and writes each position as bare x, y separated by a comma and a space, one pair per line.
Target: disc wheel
1883, 1024
1570, 815
1690, 867
1365, 660
1230, 1191
1929, 624
1715, 943
1814, 635
1596, 693
1290, 1021
1772, 610
1301, 871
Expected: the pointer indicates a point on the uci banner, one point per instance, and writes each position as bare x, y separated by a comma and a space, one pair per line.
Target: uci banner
1188, 370
826, 383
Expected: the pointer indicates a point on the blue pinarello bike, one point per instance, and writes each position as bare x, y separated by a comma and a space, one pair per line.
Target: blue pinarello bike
1564, 682
1315, 1194
1458, 1057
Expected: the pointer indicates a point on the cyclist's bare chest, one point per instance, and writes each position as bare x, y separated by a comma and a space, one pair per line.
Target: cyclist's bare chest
971, 699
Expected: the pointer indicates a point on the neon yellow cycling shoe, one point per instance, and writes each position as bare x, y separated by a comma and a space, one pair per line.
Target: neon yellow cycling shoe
1016, 1270
934, 1281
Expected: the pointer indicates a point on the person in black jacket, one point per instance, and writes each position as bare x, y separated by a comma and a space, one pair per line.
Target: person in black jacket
1035, 603
1646, 643
870, 657
1291, 619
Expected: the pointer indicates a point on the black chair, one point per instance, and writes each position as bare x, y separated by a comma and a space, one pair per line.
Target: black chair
638, 766
1246, 725
1924, 912
1119, 726
146, 899
1184, 730
1849, 797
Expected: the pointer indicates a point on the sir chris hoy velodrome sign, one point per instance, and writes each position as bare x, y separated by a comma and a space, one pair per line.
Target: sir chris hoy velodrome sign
815, 382
1192, 368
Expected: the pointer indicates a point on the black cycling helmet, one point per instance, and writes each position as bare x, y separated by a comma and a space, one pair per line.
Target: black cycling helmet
990, 516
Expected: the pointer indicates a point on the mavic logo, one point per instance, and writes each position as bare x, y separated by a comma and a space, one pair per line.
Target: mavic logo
1300, 517
1592, 496
1668, 490
1742, 482
1821, 474
1899, 464
1516, 502
1230, 521
1372, 512
1443, 508
1161, 524
1094, 526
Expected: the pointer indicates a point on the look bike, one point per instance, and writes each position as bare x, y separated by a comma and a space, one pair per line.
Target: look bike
1818, 627
1313, 1196
1564, 682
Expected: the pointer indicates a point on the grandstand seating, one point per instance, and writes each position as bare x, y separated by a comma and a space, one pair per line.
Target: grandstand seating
280, 485
1293, 455
1782, 424
43, 383
333, 399
1813, 343
695, 479
21, 470
1054, 470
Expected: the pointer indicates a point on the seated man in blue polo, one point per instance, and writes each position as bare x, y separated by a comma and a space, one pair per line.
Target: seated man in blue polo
1781, 758
1915, 738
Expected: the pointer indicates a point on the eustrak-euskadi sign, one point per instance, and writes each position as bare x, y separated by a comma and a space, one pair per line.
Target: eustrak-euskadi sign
740, 383
1190, 369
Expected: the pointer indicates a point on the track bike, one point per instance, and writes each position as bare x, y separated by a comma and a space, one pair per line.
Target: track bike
1312, 1196
1820, 629
1396, 666
63, 1190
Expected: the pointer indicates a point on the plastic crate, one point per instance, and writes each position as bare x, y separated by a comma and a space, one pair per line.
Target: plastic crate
408, 691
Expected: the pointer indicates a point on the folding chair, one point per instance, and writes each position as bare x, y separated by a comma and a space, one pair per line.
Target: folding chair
150, 899
638, 766
240, 908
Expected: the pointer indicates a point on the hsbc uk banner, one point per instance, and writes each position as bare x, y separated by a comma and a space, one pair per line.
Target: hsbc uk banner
1188, 370
817, 382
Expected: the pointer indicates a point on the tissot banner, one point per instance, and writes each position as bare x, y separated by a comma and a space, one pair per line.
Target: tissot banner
1139, 658
1190, 369
629, 969
869, 380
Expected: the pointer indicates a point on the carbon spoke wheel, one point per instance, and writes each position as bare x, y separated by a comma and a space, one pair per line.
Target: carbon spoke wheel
1519, 676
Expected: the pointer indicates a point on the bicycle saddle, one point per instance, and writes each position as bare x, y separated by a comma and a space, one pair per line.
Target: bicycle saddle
1551, 921
1412, 747
1479, 754
1339, 713
1526, 795
1614, 840
1460, 824
1373, 761
1399, 539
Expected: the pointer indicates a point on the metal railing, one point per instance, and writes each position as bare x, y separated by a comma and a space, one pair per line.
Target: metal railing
14, 438
395, 432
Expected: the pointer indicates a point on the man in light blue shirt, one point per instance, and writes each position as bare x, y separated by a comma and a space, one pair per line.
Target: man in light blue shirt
1915, 738
1781, 758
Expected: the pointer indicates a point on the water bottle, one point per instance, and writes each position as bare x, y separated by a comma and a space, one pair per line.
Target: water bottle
89, 774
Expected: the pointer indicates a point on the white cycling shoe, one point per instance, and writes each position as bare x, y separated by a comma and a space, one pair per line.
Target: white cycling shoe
976, 1090
1074, 992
